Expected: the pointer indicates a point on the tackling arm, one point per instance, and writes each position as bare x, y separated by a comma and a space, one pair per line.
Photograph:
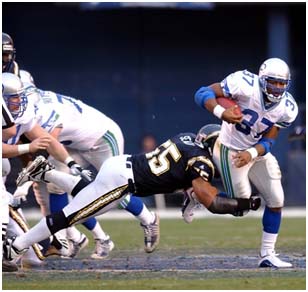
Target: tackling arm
208, 196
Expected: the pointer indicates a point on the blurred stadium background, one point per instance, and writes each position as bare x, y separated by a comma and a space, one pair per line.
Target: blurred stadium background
141, 63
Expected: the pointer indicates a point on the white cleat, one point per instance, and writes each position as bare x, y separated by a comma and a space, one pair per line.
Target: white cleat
151, 235
272, 261
190, 205
35, 171
10, 252
76, 246
102, 248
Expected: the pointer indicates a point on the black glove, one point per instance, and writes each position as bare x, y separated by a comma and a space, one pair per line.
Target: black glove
254, 203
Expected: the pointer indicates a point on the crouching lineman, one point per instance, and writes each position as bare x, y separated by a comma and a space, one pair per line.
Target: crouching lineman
182, 162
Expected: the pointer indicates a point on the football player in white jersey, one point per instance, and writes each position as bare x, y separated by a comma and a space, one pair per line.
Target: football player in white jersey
12, 219
242, 152
8, 131
88, 145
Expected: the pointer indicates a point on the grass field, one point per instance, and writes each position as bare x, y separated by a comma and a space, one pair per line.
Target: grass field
209, 254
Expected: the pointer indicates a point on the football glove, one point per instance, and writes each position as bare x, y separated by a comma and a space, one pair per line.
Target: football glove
76, 169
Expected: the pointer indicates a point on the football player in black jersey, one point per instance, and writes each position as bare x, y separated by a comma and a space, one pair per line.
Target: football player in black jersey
182, 162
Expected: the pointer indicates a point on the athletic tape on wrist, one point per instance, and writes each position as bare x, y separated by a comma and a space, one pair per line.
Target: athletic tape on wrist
253, 152
23, 148
218, 111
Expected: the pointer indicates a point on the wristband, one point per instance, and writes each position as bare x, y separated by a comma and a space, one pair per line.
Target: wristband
253, 152
218, 111
23, 148
69, 161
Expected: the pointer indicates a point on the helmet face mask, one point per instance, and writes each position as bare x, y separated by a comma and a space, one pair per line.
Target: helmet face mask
8, 52
14, 94
274, 78
206, 137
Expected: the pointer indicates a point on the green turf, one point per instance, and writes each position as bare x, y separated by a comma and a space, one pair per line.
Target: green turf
203, 236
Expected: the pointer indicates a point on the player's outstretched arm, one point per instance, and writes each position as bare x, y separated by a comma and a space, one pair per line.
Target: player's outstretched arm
208, 196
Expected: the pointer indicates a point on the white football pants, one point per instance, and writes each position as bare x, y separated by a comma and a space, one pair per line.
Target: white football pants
263, 172
104, 193
111, 144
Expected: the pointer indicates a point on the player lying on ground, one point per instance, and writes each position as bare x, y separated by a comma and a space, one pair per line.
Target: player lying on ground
182, 162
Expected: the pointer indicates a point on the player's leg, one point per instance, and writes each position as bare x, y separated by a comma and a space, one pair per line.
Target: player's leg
98, 197
17, 226
266, 176
77, 240
235, 180
7, 265
58, 199
112, 144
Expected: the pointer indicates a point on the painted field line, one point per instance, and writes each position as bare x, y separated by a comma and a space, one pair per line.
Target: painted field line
175, 213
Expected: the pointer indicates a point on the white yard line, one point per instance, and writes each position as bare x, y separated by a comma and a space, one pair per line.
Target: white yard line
175, 213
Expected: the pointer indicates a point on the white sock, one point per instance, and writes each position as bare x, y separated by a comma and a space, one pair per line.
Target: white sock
64, 180
268, 243
61, 234
146, 217
98, 232
73, 233
36, 234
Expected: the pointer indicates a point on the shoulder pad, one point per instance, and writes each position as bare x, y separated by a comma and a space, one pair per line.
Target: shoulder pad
290, 111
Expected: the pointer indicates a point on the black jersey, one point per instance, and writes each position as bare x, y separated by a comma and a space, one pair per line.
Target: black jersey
171, 166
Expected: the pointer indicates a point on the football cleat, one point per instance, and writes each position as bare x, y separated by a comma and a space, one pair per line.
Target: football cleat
10, 252
35, 171
151, 235
8, 266
58, 247
76, 246
190, 204
102, 248
271, 260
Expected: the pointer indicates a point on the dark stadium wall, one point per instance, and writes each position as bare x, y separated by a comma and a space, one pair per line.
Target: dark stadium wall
142, 66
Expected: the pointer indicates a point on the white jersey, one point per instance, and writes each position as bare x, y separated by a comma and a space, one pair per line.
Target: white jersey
244, 88
81, 124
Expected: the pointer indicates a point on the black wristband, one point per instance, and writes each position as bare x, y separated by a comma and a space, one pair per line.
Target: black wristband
71, 163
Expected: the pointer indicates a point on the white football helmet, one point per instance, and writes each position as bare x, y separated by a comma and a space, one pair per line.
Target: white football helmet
274, 70
31, 91
12, 87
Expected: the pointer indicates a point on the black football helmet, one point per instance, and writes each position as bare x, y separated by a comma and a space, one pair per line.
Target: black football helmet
206, 137
8, 53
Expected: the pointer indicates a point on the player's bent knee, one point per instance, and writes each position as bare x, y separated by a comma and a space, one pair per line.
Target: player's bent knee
56, 222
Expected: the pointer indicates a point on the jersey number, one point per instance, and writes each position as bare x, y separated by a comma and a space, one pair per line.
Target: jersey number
246, 125
158, 160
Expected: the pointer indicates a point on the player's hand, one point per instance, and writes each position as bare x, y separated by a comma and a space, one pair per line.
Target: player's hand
40, 143
76, 169
232, 115
241, 158
254, 203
